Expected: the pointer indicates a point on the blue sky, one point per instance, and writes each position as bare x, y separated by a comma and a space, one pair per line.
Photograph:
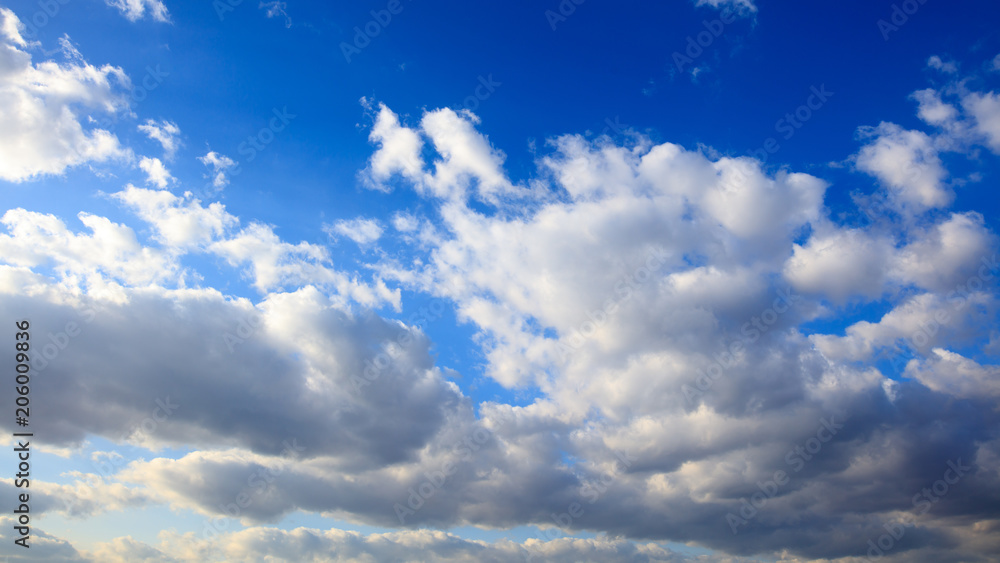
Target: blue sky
519, 281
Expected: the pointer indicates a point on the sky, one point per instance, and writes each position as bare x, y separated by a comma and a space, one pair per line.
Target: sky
706, 281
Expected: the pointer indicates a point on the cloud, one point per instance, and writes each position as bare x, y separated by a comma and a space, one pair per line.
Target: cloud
741, 6
937, 63
220, 164
361, 230
178, 222
404, 222
841, 264
467, 163
165, 132
276, 9
678, 327
157, 174
135, 10
41, 105
985, 111
907, 163
111, 249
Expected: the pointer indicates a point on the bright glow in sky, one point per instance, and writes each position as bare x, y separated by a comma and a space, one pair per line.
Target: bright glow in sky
562, 280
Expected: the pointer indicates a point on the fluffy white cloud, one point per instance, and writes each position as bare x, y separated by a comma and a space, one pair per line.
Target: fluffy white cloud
907, 163
985, 110
468, 163
41, 105
156, 173
135, 10
360, 230
178, 222
39, 240
951, 373
840, 264
399, 150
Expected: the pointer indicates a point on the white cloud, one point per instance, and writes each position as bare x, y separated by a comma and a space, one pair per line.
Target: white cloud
112, 249
178, 223
932, 109
945, 255
937, 63
360, 230
165, 132
135, 10
468, 163
157, 174
985, 111
907, 163
405, 223
219, 163
11, 28
398, 152
841, 264
741, 6
951, 373
40, 106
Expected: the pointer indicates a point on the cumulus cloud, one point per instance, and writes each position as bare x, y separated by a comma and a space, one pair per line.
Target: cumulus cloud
178, 222
672, 317
43, 106
156, 173
907, 163
467, 162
